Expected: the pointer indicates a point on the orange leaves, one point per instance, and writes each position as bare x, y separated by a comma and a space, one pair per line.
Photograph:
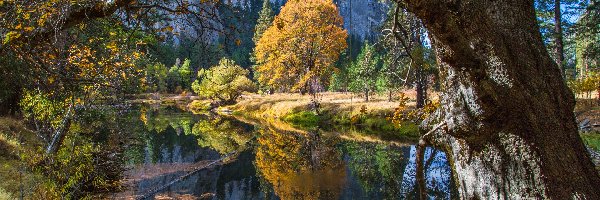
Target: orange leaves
303, 43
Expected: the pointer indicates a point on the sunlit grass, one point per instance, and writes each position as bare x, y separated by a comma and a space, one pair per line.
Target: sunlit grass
336, 109
592, 140
4, 195
303, 119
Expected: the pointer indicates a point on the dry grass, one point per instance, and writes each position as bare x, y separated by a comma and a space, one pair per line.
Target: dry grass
282, 104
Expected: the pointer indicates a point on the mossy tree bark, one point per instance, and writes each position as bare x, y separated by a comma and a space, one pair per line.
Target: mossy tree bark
508, 123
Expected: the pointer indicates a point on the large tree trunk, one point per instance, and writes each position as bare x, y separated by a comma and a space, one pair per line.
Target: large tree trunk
507, 116
558, 37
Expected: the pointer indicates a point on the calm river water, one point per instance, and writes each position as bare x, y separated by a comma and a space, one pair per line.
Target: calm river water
175, 154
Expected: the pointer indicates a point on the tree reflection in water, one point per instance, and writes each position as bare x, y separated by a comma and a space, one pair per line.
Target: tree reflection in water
299, 165
281, 162
221, 134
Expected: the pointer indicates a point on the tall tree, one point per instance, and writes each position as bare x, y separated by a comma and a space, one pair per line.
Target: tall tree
265, 19
364, 72
507, 117
558, 37
588, 40
298, 51
406, 41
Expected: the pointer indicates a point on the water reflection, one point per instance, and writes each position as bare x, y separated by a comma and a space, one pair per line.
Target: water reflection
221, 134
300, 165
272, 163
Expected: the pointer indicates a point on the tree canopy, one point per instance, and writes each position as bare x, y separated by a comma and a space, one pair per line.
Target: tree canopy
297, 52
224, 82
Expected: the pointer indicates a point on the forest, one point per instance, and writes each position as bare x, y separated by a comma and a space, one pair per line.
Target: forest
300, 99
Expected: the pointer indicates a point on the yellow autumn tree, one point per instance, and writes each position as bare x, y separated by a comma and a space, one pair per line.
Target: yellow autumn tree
297, 52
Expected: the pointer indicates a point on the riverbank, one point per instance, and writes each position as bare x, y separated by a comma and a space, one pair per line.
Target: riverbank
17, 147
335, 109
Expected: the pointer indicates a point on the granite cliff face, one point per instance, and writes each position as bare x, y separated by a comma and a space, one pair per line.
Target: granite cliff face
362, 18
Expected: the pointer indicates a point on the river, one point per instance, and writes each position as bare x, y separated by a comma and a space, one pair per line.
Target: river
175, 154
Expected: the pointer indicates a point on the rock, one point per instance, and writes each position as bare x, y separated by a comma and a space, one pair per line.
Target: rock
584, 125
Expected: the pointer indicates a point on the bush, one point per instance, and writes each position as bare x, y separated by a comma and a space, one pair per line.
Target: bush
224, 82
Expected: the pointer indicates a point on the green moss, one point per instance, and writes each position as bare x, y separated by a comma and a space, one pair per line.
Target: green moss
592, 140
303, 119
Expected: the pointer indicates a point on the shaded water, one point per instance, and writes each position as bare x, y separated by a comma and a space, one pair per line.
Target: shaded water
170, 150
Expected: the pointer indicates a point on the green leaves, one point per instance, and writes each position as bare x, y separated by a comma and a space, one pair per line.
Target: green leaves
39, 106
364, 72
224, 82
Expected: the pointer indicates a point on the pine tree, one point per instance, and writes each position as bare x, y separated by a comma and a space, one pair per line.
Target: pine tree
265, 19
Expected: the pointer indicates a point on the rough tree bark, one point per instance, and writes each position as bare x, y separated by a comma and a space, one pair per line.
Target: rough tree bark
507, 116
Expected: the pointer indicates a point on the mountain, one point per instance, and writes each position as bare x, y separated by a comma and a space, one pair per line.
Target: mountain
362, 18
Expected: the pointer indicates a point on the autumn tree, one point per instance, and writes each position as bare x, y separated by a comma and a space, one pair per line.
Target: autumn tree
298, 51
80, 51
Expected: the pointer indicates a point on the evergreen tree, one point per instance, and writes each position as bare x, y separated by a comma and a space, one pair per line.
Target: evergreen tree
174, 78
364, 72
587, 40
185, 72
265, 19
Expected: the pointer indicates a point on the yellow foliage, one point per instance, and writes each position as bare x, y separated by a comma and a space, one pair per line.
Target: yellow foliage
401, 113
302, 45
288, 161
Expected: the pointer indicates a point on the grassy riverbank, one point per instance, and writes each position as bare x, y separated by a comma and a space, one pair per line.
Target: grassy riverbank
17, 144
336, 109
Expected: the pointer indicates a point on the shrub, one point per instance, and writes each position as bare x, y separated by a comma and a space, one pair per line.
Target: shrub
224, 82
